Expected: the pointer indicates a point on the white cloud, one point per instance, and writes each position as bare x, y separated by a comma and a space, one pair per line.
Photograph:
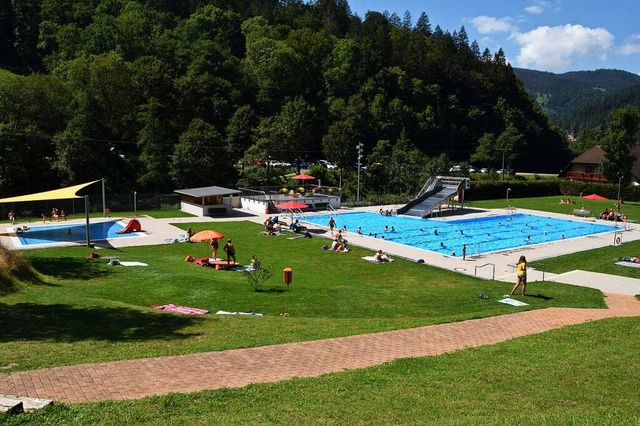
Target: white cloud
488, 24
631, 45
558, 48
534, 10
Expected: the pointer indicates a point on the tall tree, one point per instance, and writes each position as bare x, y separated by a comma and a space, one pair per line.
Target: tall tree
154, 144
621, 135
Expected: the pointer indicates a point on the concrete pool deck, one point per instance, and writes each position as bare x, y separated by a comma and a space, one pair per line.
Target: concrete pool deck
499, 265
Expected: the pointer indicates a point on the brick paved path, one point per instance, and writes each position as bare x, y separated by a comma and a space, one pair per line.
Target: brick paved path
236, 368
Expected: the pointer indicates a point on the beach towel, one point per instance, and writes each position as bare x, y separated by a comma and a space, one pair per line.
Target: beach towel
133, 264
181, 309
373, 260
250, 313
512, 302
628, 264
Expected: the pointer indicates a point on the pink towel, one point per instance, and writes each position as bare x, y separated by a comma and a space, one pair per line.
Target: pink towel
181, 309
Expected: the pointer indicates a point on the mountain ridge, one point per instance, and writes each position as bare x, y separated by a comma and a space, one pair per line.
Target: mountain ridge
566, 97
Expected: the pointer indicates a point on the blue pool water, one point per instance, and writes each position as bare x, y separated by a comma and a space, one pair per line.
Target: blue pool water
481, 235
60, 233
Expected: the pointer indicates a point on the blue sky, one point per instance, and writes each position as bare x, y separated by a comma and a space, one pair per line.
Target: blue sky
546, 35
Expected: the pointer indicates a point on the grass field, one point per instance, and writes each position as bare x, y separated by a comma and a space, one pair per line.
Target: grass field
81, 310
580, 375
84, 310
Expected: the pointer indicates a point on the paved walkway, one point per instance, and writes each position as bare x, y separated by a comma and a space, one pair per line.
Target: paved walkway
236, 368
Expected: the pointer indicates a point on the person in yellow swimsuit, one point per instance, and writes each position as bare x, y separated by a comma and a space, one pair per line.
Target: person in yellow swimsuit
522, 276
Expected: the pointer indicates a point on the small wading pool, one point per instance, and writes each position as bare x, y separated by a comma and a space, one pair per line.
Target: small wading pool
481, 235
71, 232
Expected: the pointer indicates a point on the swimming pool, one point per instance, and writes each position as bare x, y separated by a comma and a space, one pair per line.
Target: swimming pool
71, 232
480, 234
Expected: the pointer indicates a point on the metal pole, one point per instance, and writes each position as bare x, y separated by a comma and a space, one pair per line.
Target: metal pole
86, 211
503, 151
359, 148
135, 203
619, 183
508, 189
104, 202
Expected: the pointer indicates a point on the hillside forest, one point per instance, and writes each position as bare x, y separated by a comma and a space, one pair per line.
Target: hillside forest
581, 101
160, 95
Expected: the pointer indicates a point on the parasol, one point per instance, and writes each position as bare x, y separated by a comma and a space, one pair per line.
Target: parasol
207, 235
292, 205
303, 177
594, 197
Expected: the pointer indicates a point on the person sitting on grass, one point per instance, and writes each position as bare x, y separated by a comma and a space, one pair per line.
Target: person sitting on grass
380, 257
297, 228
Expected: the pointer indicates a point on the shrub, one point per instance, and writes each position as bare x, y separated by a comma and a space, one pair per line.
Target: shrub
12, 267
257, 274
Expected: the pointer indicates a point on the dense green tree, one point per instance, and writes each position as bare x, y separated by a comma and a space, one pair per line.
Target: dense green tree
200, 158
154, 143
621, 135
8, 54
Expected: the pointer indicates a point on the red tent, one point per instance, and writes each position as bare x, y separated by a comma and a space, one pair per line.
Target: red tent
292, 205
594, 197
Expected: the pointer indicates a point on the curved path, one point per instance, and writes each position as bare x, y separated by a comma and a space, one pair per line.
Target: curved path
236, 368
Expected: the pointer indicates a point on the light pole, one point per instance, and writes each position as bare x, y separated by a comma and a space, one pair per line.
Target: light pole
620, 176
359, 148
503, 151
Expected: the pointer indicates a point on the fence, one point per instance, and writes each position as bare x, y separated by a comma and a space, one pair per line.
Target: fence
115, 203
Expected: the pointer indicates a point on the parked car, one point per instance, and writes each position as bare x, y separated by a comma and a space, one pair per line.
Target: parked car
327, 164
301, 163
505, 171
484, 170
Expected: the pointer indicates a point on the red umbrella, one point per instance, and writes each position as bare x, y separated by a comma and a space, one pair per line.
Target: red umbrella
207, 235
303, 177
292, 205
594, 197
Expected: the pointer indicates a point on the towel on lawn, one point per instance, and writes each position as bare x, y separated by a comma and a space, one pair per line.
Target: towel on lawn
181, 309
250, 313
372, 259
133, 264
512, 302
633, 264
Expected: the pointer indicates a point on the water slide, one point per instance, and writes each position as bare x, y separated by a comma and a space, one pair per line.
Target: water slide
132, 226
435, 192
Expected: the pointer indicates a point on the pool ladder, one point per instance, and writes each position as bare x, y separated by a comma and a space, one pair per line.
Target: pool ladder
493, 276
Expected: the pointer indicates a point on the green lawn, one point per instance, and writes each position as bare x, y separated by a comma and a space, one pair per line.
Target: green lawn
580, 375
84, 310
552, 204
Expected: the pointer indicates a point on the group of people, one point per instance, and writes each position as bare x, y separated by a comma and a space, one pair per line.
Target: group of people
610, 214
340, 244
385, 212
55, 214
567, 201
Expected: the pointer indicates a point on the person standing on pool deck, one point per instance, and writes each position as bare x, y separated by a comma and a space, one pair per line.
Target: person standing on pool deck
332, 224
464, 251
522, 276
231, 252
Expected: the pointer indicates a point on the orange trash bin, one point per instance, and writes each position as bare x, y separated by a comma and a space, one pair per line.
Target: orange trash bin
287, 275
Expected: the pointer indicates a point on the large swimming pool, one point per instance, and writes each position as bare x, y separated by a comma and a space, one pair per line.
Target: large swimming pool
71, 232
480, 234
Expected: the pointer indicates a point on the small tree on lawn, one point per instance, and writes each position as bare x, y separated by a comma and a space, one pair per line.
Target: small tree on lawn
256, 274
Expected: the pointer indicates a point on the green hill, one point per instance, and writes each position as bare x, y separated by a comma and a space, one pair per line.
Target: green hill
578, 99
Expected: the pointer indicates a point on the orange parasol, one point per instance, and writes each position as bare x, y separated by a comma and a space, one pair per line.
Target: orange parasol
207, 235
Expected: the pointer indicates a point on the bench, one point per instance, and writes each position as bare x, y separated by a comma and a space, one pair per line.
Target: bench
581, 212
